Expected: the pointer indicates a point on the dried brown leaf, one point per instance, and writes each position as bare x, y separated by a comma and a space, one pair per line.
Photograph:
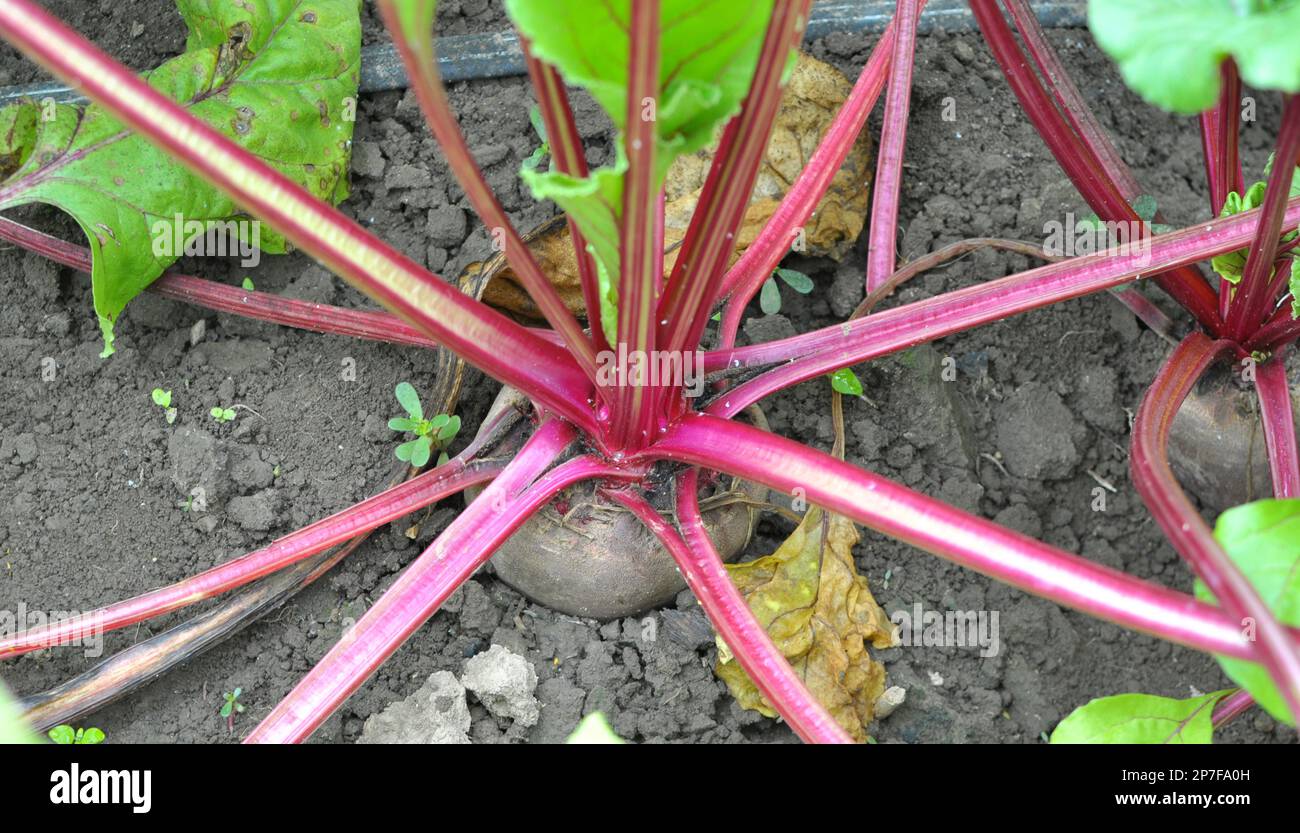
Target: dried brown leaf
821, 615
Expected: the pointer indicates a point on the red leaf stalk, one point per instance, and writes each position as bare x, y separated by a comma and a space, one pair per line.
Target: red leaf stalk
888, 508
1174, 511
731, 617
883, 234
1275, 410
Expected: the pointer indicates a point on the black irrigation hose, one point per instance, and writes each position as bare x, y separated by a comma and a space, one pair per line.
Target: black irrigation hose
497, 54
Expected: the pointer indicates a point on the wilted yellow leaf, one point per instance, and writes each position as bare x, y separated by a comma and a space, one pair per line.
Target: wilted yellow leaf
821, 615
813, 97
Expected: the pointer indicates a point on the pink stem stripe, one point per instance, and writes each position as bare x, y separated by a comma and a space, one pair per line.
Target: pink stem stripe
1213, 147
1229, 129
570, 158
303, 315
451, 559
1231, 707
1274, 390
883, 236
934, 526
1181, 522
484, 337
416, 51
637, 324
372, 513
730, 614
842, 345
1219, 149
1251, 300
756, 264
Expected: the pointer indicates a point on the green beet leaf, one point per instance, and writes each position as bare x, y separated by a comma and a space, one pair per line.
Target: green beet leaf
708, 52
1140, 718
1169, 51
279, 77
1263, 540
1229, 265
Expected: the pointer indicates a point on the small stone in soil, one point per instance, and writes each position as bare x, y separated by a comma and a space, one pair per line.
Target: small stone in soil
846, 291
197, 461
504, 683
769, 328
437, 713
255, 512
367, 160
446, 226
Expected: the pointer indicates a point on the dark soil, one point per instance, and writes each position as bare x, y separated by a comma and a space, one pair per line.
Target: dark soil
93, 481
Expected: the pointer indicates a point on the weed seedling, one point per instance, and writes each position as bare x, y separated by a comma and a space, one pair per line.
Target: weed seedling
430, 434
222, 414
231, 707
163, 399
539, 155
769, 298
65, 734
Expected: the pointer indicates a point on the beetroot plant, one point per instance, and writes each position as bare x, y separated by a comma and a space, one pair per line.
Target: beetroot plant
676, 76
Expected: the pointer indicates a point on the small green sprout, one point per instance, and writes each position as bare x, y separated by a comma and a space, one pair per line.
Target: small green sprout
232, 707
163, 399
534, 160
222, 414
430, 434
65, 734
769, 298
247, 284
